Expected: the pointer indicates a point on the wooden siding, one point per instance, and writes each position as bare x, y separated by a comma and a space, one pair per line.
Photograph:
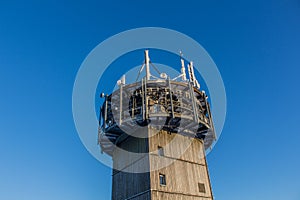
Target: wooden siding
126, 185
127, 158
185, 162
178, 147
129, 152
155, 195
185, 167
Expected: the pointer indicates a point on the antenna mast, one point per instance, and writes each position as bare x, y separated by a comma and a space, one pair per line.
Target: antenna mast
182, 67
191, 72
147, 62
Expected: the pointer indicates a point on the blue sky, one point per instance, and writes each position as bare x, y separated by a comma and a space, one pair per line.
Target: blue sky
255, 45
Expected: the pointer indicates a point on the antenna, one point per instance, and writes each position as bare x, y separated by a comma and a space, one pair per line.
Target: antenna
183, 77
147, 62
191, 72
192, 69
122, 81
192, 75
197, 84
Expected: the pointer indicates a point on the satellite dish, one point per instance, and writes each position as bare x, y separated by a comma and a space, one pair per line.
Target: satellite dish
163, 75
119, 82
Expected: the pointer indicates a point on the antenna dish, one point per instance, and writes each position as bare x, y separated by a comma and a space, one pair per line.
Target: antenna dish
163, 75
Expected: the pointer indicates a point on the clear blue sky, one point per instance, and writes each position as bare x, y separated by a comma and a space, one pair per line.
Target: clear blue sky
255, 44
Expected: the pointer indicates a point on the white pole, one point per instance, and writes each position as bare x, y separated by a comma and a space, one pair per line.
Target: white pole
183, 70
123, 79
147, 61
192, 72
183, 77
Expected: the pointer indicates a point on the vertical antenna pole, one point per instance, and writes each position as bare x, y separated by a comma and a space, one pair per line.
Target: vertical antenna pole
123, 80
190, 73
193, 74
147, 61
146, 100
192, 95
143, 100
105, 112
171, 98
182, 68
121, 104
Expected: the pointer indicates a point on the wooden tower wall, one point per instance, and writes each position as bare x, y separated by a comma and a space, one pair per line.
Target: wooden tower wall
186, 176
187, 171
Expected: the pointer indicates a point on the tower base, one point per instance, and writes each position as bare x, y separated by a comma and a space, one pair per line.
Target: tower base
163, 166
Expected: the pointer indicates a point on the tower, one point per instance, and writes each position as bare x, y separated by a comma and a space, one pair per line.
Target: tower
157, 130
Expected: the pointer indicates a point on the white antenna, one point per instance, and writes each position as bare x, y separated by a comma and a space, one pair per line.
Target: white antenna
122, 81
191, 73
183, 77
197, 84
147, 61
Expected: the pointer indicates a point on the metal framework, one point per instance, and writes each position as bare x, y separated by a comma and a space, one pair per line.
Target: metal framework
178, 107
